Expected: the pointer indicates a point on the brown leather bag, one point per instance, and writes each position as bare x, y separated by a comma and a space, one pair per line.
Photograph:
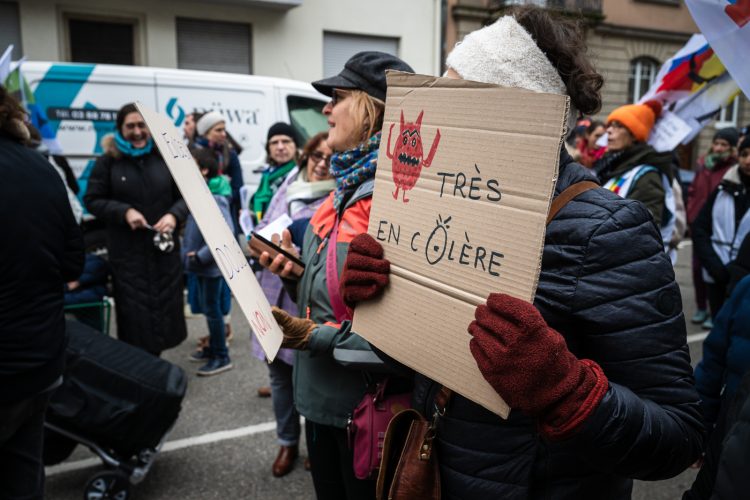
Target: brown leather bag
409, 469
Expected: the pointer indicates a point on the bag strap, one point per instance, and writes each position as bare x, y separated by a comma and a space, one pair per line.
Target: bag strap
340, 311
443, 396
567, 195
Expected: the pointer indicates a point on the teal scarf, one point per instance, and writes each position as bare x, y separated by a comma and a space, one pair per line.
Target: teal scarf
127, 148
220, 185
352, 168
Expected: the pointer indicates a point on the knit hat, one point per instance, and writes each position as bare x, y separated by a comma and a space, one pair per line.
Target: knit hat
208, 121
639, 119
745, 144
363, 71
281, 128
729, 134
504, 53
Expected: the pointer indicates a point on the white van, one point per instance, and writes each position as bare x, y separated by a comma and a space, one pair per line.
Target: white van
80, 102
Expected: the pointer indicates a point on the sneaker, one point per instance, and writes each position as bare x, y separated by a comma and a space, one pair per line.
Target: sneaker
214, 367
200, 356
700, 316
708, 324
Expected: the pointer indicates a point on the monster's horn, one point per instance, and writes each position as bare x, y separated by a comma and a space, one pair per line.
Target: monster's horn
419, 120
402, 119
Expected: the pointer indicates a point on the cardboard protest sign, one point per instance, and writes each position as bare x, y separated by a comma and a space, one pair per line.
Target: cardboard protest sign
219, 238
465, 176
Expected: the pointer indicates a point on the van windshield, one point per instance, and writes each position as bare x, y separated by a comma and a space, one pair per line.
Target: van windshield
306, 116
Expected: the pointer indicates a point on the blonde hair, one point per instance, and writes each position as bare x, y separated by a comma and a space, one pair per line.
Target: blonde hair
367, 112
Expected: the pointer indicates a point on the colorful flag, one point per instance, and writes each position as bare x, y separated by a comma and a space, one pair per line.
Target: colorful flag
18, 87
726, 26
693, 86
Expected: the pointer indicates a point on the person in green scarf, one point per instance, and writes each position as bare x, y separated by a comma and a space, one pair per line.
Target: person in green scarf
281, 148
199, 261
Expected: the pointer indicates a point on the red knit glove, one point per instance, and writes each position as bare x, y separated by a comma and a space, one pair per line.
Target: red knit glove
531, 368
366, 272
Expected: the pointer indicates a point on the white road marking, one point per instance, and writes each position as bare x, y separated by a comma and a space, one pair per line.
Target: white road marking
697, 337
211, 437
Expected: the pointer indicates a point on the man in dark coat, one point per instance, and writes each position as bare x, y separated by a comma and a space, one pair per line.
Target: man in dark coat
42, 250
132, 191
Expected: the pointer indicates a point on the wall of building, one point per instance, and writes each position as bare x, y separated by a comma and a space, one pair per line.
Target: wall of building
645, 14
284, 43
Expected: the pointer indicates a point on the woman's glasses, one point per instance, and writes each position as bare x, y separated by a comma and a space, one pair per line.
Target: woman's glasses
317, 157
337, 96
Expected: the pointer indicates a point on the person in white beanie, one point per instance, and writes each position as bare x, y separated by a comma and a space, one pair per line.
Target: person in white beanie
597, 371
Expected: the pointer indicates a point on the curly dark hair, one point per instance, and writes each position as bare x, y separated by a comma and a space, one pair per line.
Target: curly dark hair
562, 41
12, 115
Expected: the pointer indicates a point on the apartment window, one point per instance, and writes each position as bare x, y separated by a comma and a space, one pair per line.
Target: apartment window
339, 47
643, 72
101, 41
728, 114
214, 46
10, 29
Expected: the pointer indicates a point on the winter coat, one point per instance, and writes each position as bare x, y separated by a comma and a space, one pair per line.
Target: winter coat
271, 284
726, 353
332, 375
203, 263
42, 249
608, 287
231, 167
649, 188
723, 475
711, 228
704, 183
148, 283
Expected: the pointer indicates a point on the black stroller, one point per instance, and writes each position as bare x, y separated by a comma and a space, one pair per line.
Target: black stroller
118, 401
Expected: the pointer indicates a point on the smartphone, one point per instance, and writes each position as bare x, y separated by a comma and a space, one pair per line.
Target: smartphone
261, 244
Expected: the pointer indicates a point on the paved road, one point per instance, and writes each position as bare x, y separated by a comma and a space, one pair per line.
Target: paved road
223, 443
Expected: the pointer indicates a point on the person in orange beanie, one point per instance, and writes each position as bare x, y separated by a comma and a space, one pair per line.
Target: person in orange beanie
635, 170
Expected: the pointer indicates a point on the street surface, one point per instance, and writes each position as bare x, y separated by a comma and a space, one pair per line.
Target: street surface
223, 443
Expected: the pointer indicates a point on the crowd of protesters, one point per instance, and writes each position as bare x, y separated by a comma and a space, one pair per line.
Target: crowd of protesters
597, 370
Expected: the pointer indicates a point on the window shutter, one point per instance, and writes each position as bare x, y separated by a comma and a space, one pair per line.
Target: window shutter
339, 47
214, 46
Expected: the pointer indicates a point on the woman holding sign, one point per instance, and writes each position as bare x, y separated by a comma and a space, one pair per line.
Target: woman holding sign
326, 387
131, 190
597, 371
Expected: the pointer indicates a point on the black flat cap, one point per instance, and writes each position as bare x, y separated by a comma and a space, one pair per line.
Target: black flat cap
363, 71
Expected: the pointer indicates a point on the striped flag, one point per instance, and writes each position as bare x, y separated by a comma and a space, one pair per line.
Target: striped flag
693, 86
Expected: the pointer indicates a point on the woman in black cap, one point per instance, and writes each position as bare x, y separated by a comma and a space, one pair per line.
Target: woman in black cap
334, 366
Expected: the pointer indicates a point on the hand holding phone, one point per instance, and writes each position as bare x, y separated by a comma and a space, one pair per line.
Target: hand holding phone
278, 256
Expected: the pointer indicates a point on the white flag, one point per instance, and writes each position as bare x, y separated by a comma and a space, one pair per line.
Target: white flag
726, 26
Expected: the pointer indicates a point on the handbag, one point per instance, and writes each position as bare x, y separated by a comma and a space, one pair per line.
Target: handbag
410, 468
367, 426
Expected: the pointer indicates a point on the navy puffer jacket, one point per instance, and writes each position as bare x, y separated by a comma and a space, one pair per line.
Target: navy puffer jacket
608, 287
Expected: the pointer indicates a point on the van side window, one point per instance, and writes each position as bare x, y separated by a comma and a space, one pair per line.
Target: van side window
306, 116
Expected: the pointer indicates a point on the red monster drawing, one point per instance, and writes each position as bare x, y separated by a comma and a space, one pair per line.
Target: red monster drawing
739, 12
408, 155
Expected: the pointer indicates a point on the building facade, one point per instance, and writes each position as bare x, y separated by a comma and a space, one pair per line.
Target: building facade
299, 39
628, 41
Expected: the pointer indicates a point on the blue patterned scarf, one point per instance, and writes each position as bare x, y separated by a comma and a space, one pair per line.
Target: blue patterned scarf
352, 168
127, 148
